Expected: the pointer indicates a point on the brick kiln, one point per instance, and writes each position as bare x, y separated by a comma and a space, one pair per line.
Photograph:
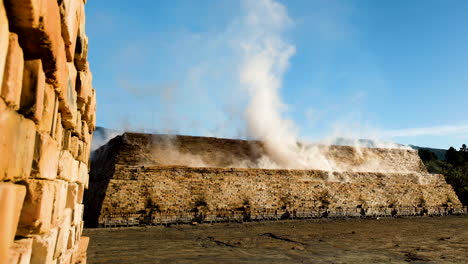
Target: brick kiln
156, 179
47, 116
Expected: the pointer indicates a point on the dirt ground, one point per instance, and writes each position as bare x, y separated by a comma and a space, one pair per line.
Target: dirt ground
386, 240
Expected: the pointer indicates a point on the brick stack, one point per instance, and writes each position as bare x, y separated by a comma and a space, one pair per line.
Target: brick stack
47, 116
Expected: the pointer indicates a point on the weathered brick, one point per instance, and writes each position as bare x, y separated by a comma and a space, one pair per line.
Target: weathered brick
71, 238
13, 73
83, 89
77, 214
78, 129
80, 253
24, 13
70, 12
68, 99
4, 40
20, 251
74, 146
65, 166
49, 113
64, 232
60, 201
46, 156
17, 137
59, 131
43, 247
83, 174
11, 203
81, 188
72, 195
81, 49
38, 25
67, 257
37, 209
67, 140
32, 94
75, 171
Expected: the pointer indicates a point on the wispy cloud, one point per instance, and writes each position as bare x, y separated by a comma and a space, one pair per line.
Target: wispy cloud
447, 130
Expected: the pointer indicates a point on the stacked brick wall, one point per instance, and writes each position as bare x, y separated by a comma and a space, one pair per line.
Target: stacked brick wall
130, 182
47, 116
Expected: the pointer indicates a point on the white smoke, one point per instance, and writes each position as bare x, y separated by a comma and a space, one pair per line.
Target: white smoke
266, 56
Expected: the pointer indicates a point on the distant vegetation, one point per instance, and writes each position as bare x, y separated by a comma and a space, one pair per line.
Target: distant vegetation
454, 167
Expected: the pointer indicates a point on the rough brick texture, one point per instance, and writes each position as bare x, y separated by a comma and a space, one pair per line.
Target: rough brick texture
41, 181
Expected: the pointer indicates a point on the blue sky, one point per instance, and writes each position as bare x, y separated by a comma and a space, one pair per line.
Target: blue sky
395, 70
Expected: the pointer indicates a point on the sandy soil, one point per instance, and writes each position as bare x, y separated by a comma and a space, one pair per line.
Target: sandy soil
388, 240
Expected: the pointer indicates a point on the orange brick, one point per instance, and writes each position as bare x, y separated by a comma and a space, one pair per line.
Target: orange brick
83, 88
46, 156
68, 99
32, 94
71, 12
43, 247
83, 176
58, 134
11, 203
20, 251
49, 113
64, 232
13, 73
60, 201
4, 32
72, 195
65, 169
89, 116
37, 209
17, 139
24, 13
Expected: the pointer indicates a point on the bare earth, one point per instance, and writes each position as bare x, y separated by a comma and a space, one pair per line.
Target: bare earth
388, 240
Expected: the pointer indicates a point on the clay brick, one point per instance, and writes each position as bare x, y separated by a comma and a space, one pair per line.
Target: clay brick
89, 116
64, 232
67, 140
75, 171
59, 131
77, 214
37, 22
24, 13
78, 129
81, 188
72, 195
46, 156
11, 203
83, 89
65, 166
71, 12
49, 114
20, 251
74, 146
68, 99
60, 201
13, 73
4, 40
66, 258
81, 151
86, 136
32, 94
83, 174
37, 209
79, 256
17, 137
43, 247
71, 238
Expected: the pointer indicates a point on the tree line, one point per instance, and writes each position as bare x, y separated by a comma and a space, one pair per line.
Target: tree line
454, 167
